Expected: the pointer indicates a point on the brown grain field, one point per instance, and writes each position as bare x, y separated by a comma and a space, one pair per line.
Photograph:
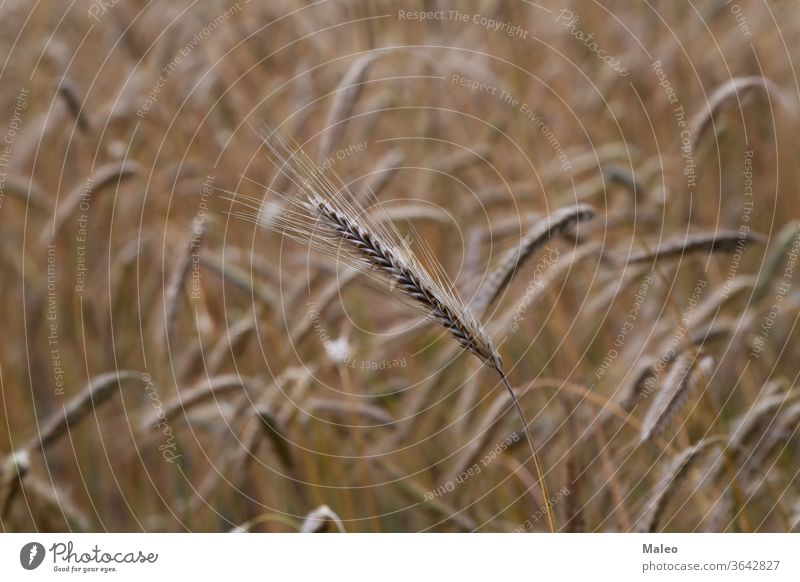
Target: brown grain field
399, 266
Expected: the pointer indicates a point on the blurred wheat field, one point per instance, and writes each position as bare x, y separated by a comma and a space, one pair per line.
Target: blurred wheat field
610, 186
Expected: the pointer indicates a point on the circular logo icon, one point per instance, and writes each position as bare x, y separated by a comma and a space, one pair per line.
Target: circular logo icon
31, 555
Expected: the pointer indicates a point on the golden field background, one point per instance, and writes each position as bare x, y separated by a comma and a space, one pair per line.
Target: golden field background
166, 367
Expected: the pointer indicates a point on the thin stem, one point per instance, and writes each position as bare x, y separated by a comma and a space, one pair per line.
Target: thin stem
539, 473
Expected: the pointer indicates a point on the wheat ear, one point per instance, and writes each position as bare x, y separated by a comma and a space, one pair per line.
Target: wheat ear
326, 216
541, 232
673, 475
439, 303
731, 94
717, 242
683, 379
410, 279
97, 391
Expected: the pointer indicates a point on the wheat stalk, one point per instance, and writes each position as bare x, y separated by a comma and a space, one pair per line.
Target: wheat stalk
324, 217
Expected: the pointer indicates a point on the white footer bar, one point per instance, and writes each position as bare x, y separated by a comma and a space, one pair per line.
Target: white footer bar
388, 557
